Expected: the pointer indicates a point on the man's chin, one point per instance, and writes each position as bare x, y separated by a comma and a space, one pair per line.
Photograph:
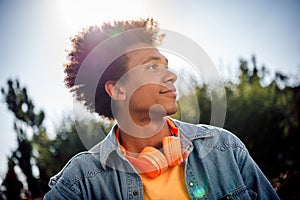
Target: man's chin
159, 115
160, 111
172, 111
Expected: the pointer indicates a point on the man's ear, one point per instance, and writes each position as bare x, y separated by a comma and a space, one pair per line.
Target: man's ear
115, 91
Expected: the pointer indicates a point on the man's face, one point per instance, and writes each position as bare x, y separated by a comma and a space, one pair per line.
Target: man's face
148, 82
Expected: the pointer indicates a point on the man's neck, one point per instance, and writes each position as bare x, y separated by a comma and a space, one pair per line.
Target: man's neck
136, 142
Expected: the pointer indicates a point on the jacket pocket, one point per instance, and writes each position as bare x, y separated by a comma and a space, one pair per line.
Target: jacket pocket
242, 193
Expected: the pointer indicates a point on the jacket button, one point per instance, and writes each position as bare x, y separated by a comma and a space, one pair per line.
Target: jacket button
135, 193
191, 184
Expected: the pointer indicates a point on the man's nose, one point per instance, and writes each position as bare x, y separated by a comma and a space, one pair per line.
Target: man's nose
169, 76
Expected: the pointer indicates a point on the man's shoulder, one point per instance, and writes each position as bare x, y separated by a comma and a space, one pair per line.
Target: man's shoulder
82, 165
86, 164
211, 135
223, 138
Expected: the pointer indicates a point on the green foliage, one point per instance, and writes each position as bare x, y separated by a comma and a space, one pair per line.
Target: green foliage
26, 119
49, 156
262, 116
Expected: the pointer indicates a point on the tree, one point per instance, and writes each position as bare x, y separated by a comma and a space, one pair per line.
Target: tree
11, 182
264, 117
49, 156
26, 120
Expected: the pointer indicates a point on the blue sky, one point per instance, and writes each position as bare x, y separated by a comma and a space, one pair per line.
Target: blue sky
34, 35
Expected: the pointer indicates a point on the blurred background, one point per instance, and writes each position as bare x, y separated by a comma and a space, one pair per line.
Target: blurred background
254, 44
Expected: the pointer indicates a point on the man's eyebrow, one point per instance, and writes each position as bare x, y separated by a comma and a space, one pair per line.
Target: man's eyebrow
150, 58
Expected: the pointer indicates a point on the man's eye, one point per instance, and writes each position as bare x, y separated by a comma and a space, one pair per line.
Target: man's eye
153, 66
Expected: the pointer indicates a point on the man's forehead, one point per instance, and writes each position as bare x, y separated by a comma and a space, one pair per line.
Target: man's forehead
145, 55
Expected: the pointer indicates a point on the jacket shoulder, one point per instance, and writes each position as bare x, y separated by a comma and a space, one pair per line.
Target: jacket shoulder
210, 136
77, 169
222, 139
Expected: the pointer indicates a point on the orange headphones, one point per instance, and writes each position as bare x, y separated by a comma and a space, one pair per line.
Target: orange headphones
153, 162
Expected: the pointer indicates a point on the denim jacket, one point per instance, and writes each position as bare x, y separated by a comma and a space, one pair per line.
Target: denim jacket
217, 166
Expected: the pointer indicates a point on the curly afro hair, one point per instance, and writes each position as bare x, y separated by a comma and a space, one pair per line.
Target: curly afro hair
84, 42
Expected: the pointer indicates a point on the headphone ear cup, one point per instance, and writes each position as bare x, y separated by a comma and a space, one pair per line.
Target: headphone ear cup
156, 162
172, 150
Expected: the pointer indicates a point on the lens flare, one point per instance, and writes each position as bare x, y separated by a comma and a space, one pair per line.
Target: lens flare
199, 192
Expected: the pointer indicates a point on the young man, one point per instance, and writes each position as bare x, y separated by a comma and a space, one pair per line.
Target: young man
148, 155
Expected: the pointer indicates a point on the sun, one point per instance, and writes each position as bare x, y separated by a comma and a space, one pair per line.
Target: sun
78, 14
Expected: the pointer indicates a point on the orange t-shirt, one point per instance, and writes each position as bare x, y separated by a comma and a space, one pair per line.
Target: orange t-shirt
168, 185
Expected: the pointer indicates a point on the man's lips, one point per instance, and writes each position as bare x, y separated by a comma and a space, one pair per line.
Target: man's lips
169, 92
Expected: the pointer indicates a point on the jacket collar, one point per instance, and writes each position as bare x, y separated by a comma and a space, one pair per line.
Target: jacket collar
193, 132
188, 131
